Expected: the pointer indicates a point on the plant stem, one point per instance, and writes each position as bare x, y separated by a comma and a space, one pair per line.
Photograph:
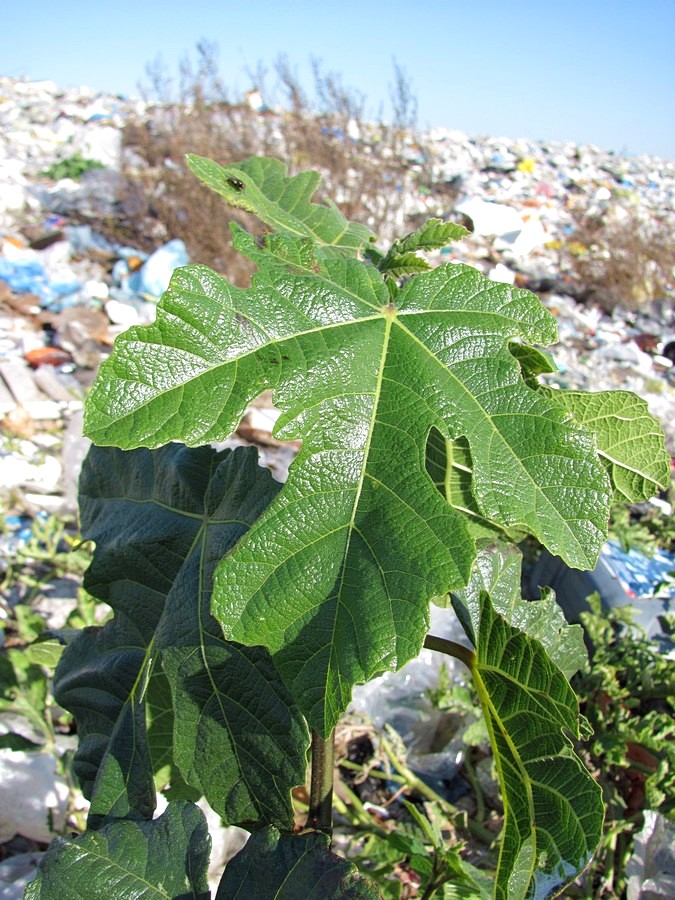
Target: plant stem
320, 815
475, 784
458, 818
451, 648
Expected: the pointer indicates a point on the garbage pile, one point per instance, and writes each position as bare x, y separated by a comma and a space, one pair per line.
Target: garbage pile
66, 290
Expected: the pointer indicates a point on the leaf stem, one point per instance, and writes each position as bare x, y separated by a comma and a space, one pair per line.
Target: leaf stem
320, 815
451, 648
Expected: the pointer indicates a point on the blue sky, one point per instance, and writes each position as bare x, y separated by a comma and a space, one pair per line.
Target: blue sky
590, 71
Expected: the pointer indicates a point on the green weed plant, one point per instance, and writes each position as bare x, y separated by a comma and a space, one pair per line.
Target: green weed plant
246, 611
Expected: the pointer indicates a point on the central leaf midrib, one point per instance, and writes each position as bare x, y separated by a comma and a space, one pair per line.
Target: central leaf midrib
109, 862
622, 464
351, 525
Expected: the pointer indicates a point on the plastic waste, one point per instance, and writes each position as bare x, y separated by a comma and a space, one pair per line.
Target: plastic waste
15, 874
32, 796
491, 218
130, 311
75, 448
640, 575
27, 271
620, 578
400, 699
154, 276
650, 871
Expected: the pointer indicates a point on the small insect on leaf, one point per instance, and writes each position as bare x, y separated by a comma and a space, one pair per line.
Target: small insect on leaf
236, 183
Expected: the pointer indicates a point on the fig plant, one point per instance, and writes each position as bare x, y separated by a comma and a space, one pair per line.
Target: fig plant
246, 611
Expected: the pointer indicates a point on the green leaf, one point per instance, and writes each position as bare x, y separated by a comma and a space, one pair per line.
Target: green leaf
286, 867
161, 521
468, 882
402, 258
630, 440
367, 538
12, 741
432, 235
163, 859
101, 680
497, 571
45, 651
553, 810
23, 692
398, 265
533, 361
261, 186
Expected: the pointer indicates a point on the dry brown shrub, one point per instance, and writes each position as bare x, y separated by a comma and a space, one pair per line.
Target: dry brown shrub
363, 166
621, 257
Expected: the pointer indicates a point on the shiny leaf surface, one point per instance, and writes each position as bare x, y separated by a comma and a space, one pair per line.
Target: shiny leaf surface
497, 571
262, 187
630, 440
553, 810
336, 575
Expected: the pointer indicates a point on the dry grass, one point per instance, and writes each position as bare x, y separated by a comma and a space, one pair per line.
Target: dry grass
363, 166
621, 258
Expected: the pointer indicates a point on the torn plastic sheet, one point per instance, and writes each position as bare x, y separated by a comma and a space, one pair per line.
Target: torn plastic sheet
641, 575
400, 699
650, 871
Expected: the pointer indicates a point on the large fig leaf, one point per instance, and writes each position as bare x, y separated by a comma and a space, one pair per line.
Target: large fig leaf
335, 576
290, 866
553, 810
162, 859
161, 521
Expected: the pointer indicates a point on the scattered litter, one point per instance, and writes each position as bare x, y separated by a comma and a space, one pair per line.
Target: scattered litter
400, 699
154, 275
641, 575
33, 796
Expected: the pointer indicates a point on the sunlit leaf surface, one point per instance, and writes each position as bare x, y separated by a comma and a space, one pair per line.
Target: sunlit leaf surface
335, 577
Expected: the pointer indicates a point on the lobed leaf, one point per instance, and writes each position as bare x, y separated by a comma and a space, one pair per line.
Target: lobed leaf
497, 571
286, 867
553, 810
162, 859
630, 440
261, 186
335, 577
367, 540
161, 521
